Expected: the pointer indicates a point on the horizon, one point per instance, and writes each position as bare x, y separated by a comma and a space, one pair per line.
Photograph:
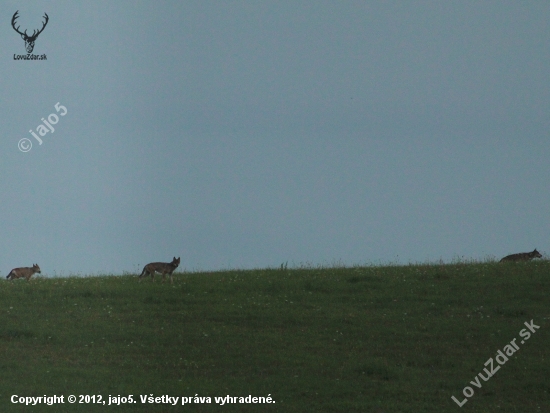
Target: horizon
246, 134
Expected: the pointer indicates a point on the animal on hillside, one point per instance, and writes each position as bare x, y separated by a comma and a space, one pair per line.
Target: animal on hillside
162, 268
26, 272
522, 256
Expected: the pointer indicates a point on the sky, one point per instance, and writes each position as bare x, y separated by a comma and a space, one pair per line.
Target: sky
245, 134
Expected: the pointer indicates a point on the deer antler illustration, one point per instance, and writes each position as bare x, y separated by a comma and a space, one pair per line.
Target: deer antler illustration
29, 40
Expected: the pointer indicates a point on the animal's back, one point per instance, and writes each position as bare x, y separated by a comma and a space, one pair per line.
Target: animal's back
512, 257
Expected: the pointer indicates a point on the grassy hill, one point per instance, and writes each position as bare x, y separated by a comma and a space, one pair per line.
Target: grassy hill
374, 339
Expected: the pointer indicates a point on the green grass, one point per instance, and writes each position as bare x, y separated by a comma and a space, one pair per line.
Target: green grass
374, 339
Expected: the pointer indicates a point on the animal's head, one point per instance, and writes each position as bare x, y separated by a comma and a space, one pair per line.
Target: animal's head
176, 261
536, 254
29, 40
36, 268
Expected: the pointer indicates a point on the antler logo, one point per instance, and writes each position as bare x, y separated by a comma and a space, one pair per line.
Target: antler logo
29, 40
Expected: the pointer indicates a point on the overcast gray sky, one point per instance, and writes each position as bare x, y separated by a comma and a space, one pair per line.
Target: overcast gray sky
243, 134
